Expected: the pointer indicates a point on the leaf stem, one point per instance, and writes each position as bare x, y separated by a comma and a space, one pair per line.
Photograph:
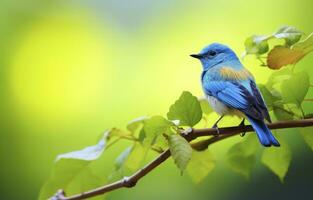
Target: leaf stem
113, 142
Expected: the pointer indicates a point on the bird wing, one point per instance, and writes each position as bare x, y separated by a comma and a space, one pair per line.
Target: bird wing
235, 95
260, 101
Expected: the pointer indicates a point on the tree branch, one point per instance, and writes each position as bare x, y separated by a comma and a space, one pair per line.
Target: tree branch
189, 135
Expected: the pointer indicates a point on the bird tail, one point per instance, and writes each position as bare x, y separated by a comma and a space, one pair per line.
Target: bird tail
263, 132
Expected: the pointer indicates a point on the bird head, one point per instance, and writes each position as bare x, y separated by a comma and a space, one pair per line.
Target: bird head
215, 54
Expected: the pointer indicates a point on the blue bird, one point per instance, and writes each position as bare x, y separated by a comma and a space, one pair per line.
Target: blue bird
231, 90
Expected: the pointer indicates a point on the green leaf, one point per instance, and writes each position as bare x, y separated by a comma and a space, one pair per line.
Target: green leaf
307, 134
290, 34
256, 44
282, 91
269, 98
277, 159
200, 165
135, 124
291, 92
279, 56
121, 159
131, 158
156, 126
70, 165
142, 135
241, 156
205, 107
159, 143
275, 80
152, 129
136, 157
116, 132
186, 109
277, 77
306, 45
287, 111
85, 181
181, 151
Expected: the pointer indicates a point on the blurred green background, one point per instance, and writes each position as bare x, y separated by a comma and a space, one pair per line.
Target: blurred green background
71, 69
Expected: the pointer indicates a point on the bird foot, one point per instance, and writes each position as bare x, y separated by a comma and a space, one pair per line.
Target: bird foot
215, 126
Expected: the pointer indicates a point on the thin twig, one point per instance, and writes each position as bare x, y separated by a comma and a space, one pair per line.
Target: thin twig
128, 182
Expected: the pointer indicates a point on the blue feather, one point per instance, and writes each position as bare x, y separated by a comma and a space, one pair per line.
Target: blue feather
263, 132
234, 93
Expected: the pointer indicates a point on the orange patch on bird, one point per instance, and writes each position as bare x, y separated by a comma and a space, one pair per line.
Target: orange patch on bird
233, 74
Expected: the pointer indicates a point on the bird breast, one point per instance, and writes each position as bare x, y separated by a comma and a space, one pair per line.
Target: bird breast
218, 106
221, 108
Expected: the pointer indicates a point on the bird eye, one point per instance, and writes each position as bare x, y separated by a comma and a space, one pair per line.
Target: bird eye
212, 53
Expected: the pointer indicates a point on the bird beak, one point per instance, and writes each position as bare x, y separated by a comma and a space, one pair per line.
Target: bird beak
198, 56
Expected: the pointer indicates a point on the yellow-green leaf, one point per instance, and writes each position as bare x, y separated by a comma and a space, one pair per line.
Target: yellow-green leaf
136, 157
307, 134
152, 129
85, 181
131, 158
306, 45
287, 111
116, 132
121, 159
291, 92
269, 98
69, 166
141, 135
181, 151
275, 81
135, 124
289, 33
200, 165
241, 156
186, 109
256, 44
156, 125
277, 159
